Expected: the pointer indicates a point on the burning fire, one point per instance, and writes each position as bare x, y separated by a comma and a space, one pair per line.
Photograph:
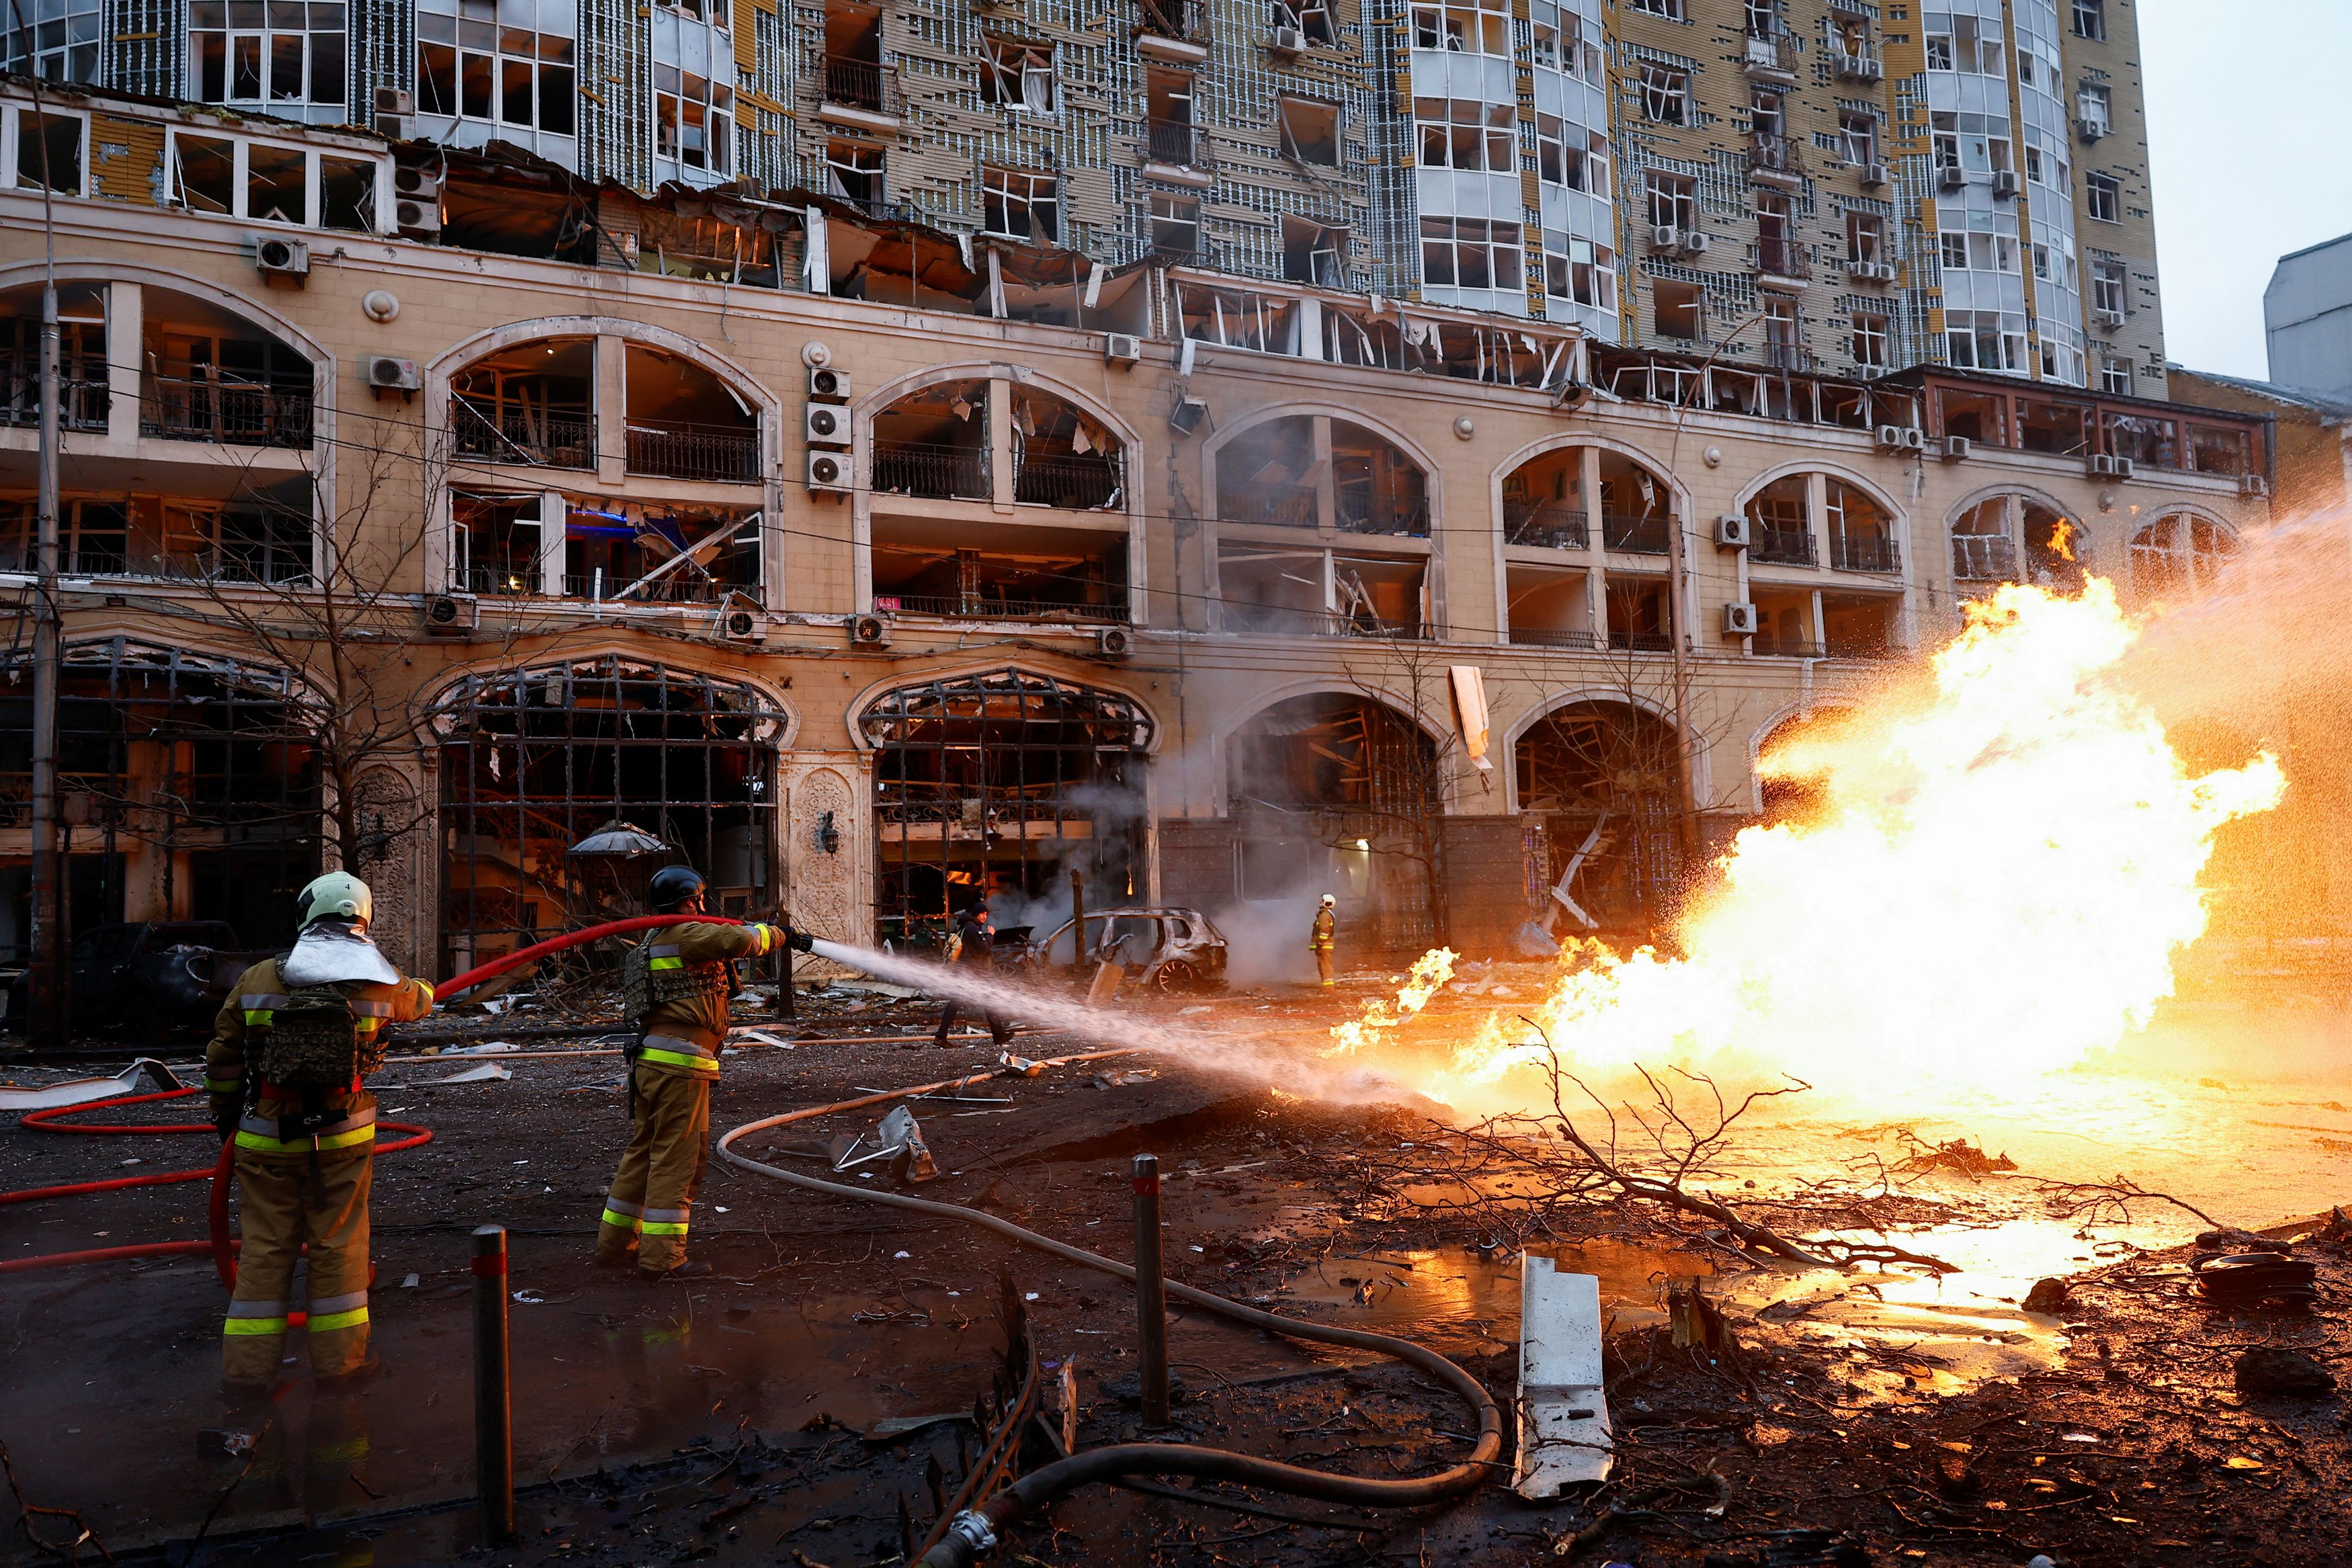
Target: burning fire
1430, 971
2004, 864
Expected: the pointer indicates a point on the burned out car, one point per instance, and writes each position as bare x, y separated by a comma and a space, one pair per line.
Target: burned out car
1169, 949
144, 978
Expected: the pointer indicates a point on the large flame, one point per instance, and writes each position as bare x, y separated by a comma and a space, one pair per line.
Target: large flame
1430, 973
2005, 864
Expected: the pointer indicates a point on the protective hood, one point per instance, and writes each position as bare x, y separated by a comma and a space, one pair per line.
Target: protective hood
329, 951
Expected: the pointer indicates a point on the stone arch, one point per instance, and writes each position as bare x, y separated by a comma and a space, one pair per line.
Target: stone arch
495, 340
897, 389
2180, 552
1600, 771
2028, 551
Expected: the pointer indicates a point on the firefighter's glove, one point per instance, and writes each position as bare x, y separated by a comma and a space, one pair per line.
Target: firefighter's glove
799, 941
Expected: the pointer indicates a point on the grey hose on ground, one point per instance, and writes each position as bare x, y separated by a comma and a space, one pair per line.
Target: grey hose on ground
974, 1533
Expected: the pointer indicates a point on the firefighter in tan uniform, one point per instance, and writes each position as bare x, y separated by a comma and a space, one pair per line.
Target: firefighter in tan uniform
674, 985
289, 1051
1325, 938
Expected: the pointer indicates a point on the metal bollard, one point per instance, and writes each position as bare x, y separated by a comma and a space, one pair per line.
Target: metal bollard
493, 1396
1150, 1294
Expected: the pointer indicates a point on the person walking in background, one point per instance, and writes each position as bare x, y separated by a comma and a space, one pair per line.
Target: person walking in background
1327, 924
976, 952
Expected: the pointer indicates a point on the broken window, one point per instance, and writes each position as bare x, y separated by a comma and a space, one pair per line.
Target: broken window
1168, 119
1313, 253
2107, 283
2094, 107
206, 385
1017, 75
1982, 548
1870, 343
518, 72
2180, 557
543, 768
49, 149
2091, 19
498, 544
1017, 204
1044, 582
1603, 776
1678, 311
1860, 534
1981, 247
1576, 269
1985, 339
1463, 27
1559, 160
853, 58
934, 442
1311, 19
1463, 134
534, 403
1979, 417
293, 54
1175, 226
693, 120
1866, 237
2149, 442
2103, 197
2115, 375
2220, 449
853, 172
1472, 253
684, 423
1310, 130
2061, 429
1665, 95
1779, 518
1673, 202
1277, 473
1857, 136
1000, 785
1965, 43
1061, 456
1670, 10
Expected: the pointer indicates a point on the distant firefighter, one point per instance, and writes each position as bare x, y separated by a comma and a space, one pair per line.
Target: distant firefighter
975, 946
1327, 923
289, 1051
674, 987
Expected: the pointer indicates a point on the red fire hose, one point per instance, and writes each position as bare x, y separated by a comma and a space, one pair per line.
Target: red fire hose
220, 1245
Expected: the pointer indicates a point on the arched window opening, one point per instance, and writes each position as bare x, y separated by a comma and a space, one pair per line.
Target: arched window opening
1543, 501
1983, 550
1636, 507
534, 403
1862, 534
1342, 793
1985, 543
1602, 775
2180, 557
1314, 471
1062, 457
684, 423
1780, 530
993, 789
188, 786
564, 785
2054, 548
934, 444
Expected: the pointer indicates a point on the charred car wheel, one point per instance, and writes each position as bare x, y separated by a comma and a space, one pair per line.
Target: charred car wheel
1175, 974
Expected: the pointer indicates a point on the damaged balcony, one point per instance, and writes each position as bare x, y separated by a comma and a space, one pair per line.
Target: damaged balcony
1315, 472
257, 533
855, 87
534, 405
1550, 607
1299, 593
1336, 327
552, 543
212, 378
999, 442
1641, 615
1029, 573
685, 424
82, 402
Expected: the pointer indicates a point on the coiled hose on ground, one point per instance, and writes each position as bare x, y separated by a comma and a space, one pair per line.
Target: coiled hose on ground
974, 1533
222, 1247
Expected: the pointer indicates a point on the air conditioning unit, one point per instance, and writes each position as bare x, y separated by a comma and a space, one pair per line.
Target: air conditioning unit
1571, 395
1860, 67
826, 424
1913, 439
1873, 174
829, 471
2109, 318
2004, 181
452, 614
1901, 438
1695, 242
1873, 271
1739, 619
395, 113
2091, 129
1951, 177
282, 257
1189, 415
386, 374
412, 216
829, 384
1665, 236
1956, 448
1731, 531
416, 199
743, 626
2103, 466
1122, 349
2254, 487
1287, 41
869, 631
1115, 642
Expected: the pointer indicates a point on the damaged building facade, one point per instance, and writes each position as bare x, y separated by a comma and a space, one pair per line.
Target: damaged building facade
875, 565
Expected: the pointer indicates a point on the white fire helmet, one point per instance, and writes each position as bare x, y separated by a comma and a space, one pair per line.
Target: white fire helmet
1328, 898
336, 896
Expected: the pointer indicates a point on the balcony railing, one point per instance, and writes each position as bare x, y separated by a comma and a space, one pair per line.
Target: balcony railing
81, 404
1535, 637
1984, 557
1641, 641
1080, 482
1179, 19
982, 606
1286, 622
1785, 647
1638, 535
860, 84
510, 579
719, 456
514, 435
1794, 357
1859, 64
229, 412
1787, 546
1185, 146
1784, 258
1549, 524
936, 473
1380, 514
1769, 153
1866, 552
1775, 51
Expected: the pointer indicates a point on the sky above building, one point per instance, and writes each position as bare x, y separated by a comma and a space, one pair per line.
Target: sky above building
2249, 132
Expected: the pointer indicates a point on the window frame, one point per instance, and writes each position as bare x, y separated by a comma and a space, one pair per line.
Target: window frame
10, 145
241, 179
2103, 190
1662, 89
996, 185
268, 37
